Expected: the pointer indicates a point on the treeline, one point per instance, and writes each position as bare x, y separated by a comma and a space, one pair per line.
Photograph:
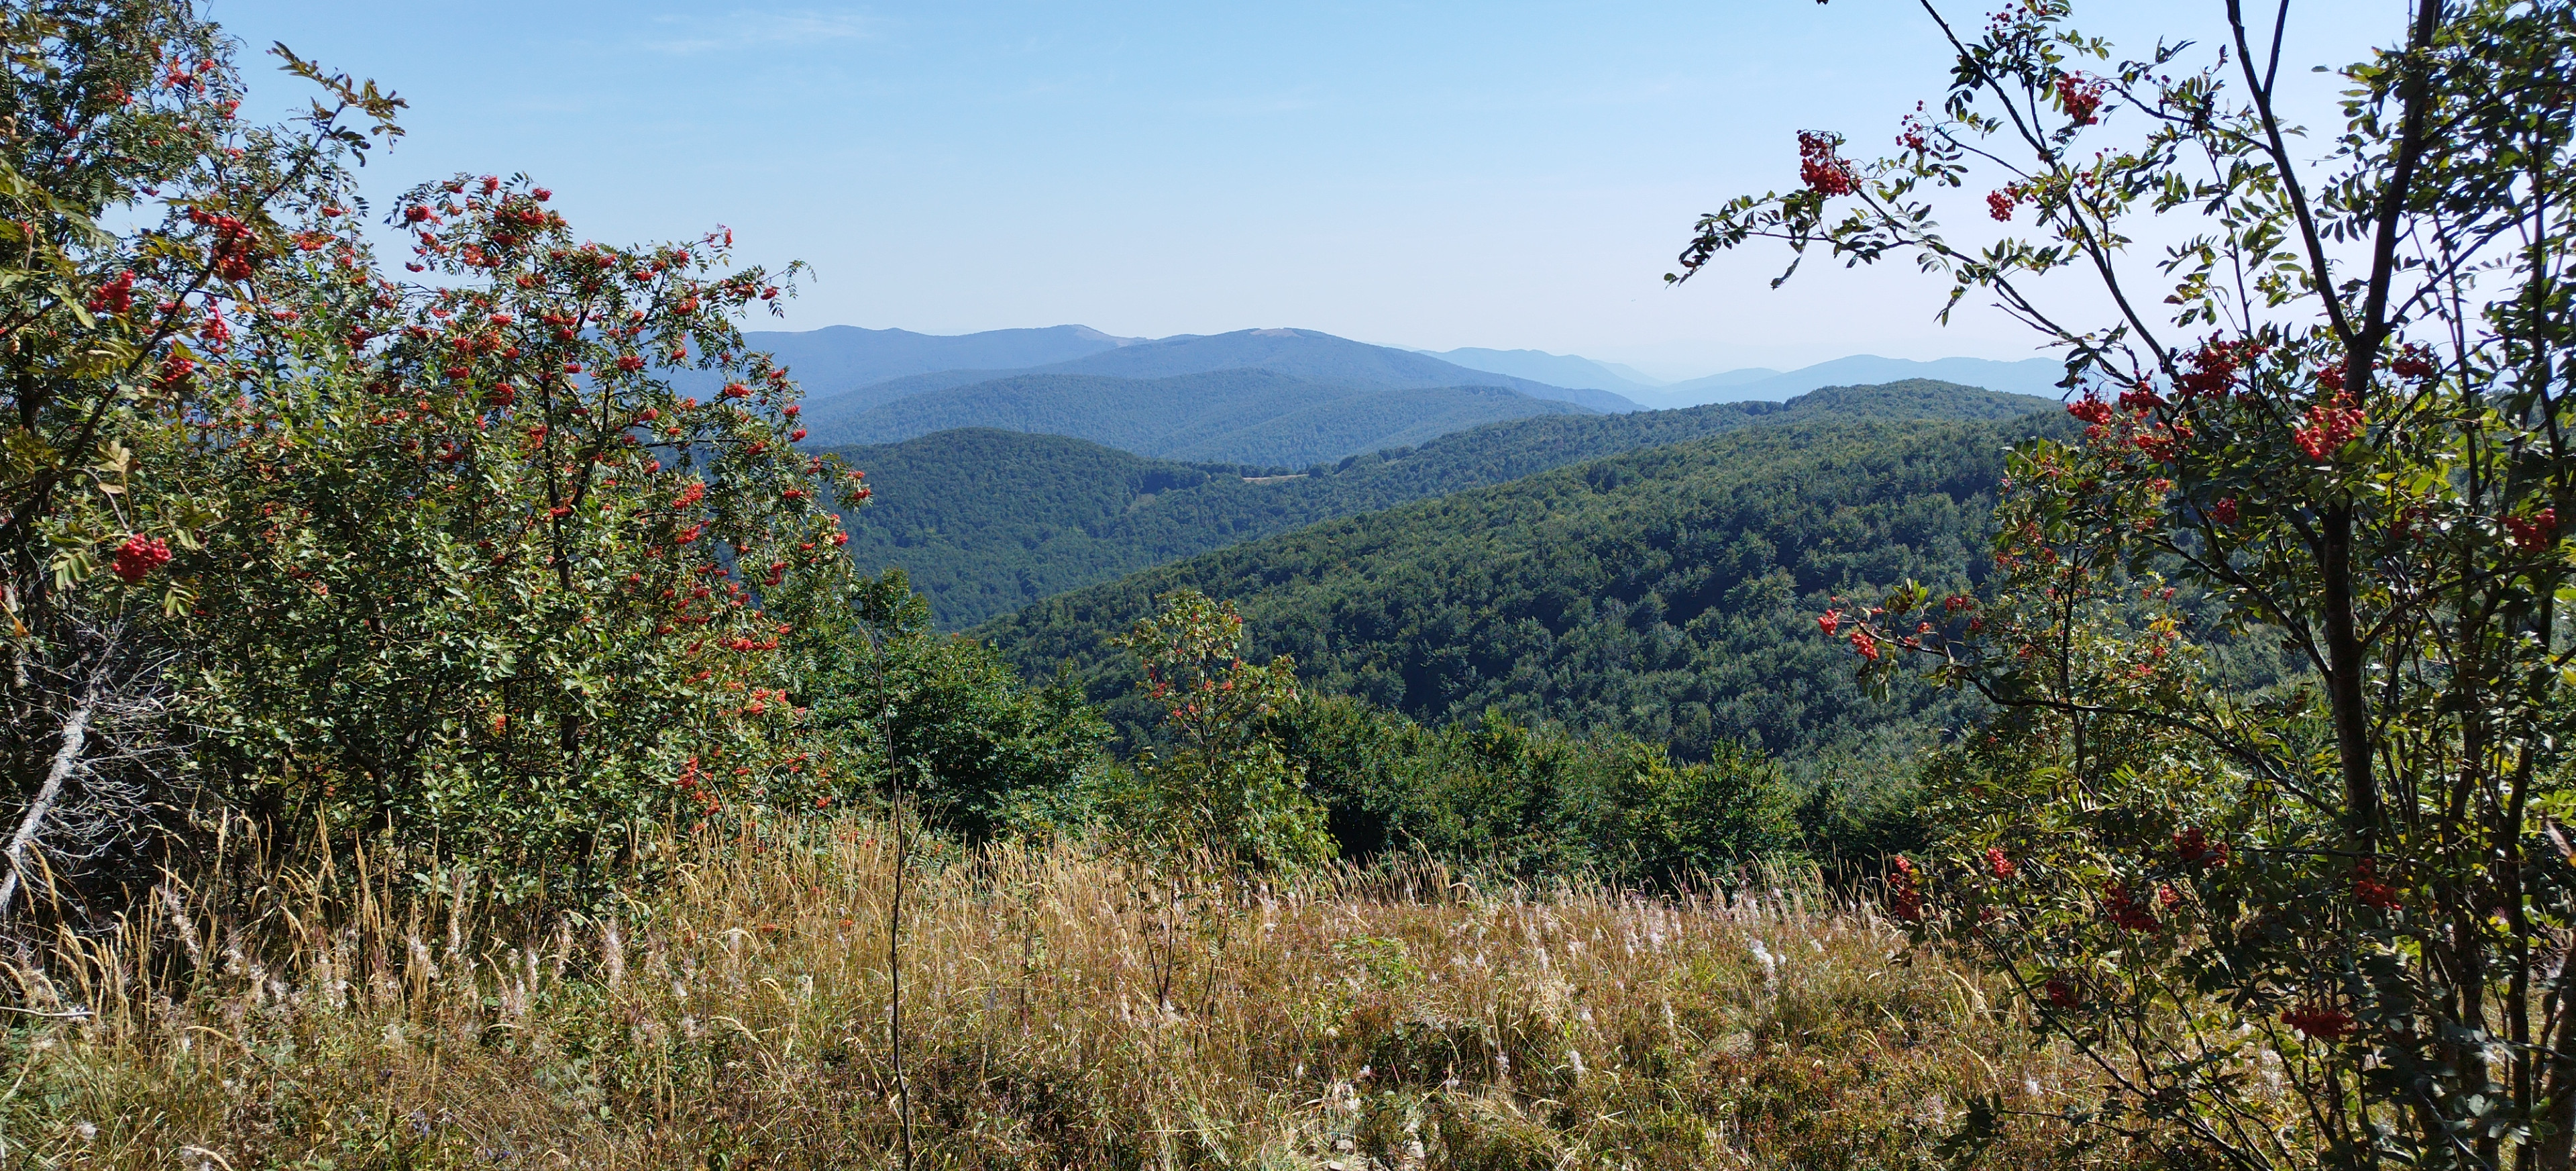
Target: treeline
987, 756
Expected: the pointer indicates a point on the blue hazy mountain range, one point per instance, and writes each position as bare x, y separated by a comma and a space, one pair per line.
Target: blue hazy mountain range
1758, 384
841, 357
1299, 353
1255, 417
1270, 397
2037, 376
1555, 369
1188, 396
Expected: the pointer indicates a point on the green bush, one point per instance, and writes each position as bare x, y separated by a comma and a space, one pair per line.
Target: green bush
993, 755
1534, 800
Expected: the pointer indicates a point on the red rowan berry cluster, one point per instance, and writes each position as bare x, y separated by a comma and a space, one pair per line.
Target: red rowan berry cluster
2127, 911
116, 296
1819, 167
1904, 890
237, 252
139, 556
2214, 365
2081, 98
2415, 363
2369, 891
2320, 1022
2330, 425
2535, 533
2193, 845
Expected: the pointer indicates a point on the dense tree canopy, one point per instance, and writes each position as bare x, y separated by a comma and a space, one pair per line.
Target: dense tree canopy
1669, 593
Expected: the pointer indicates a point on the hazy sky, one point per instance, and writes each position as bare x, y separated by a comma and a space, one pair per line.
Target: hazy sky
1438, 175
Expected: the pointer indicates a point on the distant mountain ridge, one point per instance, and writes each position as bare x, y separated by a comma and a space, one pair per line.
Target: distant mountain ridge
840, 358
826, 362
1757, 384
1555, 369
1244, 416
849, 372
2033, 376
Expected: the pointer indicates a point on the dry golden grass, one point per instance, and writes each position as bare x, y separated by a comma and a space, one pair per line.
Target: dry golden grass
1061, 1009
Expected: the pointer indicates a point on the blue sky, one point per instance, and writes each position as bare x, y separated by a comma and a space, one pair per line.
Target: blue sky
1436, 175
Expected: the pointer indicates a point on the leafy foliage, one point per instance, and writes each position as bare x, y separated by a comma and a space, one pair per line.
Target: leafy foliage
108, 104
1534, 801
463, 593
980, 754
1217, 778
448, 566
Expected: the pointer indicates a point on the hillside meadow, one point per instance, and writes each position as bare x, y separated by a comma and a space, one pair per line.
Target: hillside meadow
1063, 1007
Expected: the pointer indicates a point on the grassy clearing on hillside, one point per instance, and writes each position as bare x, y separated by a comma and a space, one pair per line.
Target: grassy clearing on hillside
1062, 1009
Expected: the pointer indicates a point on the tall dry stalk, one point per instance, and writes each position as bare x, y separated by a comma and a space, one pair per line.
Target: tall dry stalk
1408, 1016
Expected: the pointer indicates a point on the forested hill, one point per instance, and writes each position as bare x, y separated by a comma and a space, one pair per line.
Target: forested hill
1669, 592
988, 521
1234, 416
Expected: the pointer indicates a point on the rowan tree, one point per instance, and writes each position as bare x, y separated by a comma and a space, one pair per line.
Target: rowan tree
2324, 920
1220, 779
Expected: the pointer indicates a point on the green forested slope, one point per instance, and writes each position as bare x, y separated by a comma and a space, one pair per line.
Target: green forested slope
988, 521
1668, 592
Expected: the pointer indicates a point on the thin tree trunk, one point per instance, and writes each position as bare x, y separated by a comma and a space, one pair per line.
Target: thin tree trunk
2345, 684
66, 758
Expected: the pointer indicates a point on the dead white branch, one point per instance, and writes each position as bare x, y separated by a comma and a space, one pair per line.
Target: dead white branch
67, 759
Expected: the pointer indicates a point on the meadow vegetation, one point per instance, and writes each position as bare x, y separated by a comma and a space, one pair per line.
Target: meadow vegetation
1063, 1008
